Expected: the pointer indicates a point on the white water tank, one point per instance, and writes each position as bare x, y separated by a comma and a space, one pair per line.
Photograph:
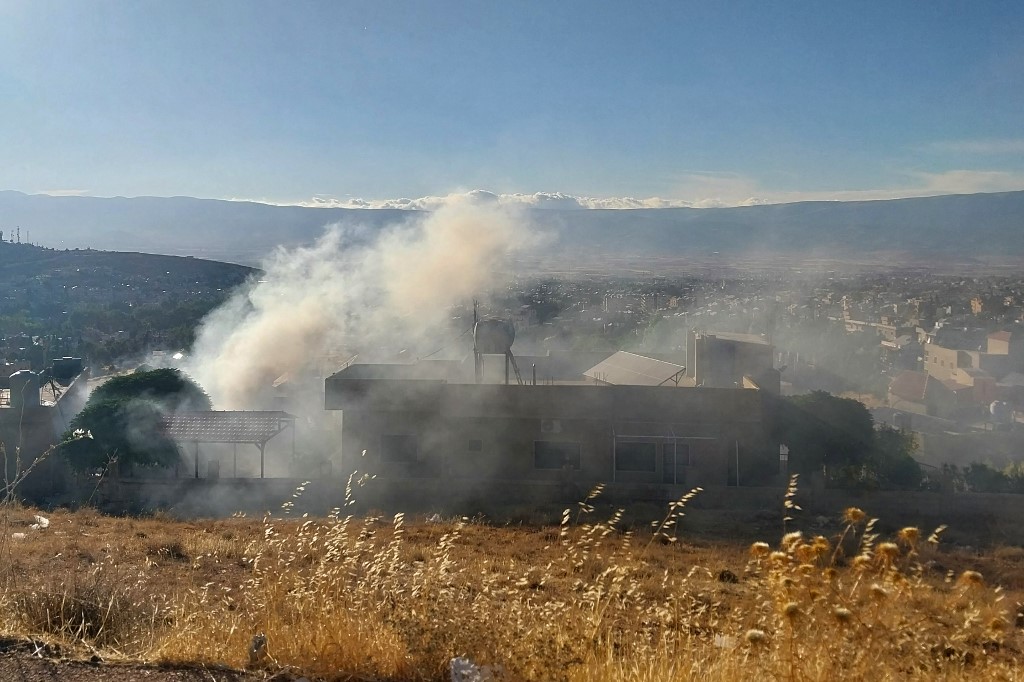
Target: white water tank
1001, 412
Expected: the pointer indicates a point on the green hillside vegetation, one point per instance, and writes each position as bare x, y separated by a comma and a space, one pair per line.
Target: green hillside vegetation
108, 305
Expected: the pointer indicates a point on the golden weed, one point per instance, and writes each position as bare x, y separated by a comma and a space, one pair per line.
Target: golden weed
379, 598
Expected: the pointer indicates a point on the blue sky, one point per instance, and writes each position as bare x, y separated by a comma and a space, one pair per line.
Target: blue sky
707, 102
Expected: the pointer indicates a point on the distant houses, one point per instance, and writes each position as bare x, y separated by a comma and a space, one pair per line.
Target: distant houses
960, 382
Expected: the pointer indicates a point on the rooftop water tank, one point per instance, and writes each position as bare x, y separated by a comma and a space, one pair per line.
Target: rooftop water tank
24, 389
493, 336
1001, 412
65, 369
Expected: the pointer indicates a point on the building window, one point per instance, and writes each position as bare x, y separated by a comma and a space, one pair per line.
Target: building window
555, 455
475, 445
675, 457
398, 448
635, 456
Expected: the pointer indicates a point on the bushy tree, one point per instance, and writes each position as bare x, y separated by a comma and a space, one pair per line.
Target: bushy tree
981, 478
892, 458
124, 417
837, 435
822, 430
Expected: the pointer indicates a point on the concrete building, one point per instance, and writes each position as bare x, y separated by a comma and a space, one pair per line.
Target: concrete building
35, 411
922, 393
723, 360
412, 422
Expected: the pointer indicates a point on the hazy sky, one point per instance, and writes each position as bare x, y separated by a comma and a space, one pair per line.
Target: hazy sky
697, 101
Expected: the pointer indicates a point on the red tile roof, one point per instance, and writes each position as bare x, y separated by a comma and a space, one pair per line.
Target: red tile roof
909, 385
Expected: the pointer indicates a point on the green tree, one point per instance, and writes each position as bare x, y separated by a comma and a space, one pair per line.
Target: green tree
822, 430
893, 458
837, 435
981, 478
124, 416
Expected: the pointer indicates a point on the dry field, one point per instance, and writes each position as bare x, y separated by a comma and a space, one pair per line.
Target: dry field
345, 598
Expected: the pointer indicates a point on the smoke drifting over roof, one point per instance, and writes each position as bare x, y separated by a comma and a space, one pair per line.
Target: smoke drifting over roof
352, 288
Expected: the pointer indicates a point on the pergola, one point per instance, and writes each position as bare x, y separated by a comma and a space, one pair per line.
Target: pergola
229, 426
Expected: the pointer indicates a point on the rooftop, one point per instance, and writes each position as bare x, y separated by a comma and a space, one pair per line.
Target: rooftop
741, 338
909, 385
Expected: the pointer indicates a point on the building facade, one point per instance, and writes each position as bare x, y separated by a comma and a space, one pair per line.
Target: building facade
399, 422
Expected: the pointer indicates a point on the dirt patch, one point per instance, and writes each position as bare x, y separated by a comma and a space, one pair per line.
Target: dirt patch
26, 660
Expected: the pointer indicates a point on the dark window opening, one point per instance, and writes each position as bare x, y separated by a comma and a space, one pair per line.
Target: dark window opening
476, 445
675, 458
398, 448
555, 455
635, 456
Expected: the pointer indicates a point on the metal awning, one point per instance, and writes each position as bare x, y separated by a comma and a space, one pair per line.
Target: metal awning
228, 426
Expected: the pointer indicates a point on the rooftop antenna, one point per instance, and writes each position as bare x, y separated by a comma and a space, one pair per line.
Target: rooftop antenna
478, 361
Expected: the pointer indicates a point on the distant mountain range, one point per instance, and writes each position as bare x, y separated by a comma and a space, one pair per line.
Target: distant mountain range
964, 226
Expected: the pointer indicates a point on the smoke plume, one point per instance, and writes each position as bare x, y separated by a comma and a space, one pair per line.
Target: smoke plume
348, 292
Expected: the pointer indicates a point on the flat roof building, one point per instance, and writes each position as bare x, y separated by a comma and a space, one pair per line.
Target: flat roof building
408, 422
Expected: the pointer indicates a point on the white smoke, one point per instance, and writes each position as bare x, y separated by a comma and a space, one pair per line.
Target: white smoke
320, 303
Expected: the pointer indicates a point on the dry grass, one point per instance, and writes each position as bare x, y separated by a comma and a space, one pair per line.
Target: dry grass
383, 599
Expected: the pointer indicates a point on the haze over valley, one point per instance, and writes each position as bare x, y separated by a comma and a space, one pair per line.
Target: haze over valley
974, 227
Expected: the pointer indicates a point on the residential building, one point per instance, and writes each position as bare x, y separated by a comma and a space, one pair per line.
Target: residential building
411, 421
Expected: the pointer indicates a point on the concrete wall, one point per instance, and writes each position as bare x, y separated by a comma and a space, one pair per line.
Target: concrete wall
995, 448
34, 430
940, 362
505, 448
479, 432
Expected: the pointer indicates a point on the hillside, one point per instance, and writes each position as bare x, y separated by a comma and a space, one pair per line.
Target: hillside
103, 304
30, 260
244, 231
221, 230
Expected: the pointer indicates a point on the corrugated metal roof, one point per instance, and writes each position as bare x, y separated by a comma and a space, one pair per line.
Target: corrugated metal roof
630, 369
226, 426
